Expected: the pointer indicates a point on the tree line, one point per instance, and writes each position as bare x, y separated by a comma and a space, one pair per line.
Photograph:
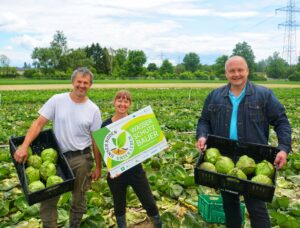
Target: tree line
58, 62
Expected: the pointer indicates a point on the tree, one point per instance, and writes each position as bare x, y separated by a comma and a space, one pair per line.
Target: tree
96, 52
74, 59
119, 60
191, 61
245, 50
107, 62
166, 67
4, 61
59, 47
44, 58
59, 43
134, 64
219, 66
276, 66
261, 66
179, 68
152, 67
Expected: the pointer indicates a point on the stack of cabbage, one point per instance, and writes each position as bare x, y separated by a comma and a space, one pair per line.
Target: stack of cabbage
41, 170
263, 172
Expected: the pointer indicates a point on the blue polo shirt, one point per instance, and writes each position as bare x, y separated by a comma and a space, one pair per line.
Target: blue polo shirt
235, 101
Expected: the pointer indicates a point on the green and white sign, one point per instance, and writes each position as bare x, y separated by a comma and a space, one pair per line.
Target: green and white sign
130, 140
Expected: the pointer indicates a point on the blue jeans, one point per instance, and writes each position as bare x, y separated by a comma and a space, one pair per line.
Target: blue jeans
257, 210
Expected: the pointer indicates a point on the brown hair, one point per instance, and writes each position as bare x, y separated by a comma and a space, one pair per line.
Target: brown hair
123, 94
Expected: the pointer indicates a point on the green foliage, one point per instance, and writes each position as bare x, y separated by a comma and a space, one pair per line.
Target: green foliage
74, 59
133, 67
201, 75
259, 77
295, 76
186, 75
152, 67
166, 67
276, 66
245, 50
191, 62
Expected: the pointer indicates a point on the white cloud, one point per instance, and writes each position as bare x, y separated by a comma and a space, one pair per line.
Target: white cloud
10, 22
236, 14
28, 42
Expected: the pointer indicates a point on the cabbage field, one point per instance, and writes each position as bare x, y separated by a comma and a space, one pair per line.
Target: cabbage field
170, 173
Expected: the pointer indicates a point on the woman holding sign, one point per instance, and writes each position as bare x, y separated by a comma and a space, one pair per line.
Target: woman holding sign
134, 177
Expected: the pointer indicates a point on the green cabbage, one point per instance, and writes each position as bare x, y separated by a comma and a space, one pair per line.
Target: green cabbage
224, 165
35, 161
53, 180
265, 168
32, 174
246, 164
208, 166
47, 169
49, 155
36, 186
263, 179
211, 155
236, 172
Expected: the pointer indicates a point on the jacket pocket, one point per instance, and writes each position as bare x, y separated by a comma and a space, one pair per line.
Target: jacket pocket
256, 112
215, 114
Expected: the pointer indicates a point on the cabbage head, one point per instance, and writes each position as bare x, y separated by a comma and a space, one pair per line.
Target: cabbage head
211, 155
246, 164
35, 161
36, 186
208, 166
265, 168
53, 180
224, 165
263, 179
47, 169
236, 172
49, 155
32, 174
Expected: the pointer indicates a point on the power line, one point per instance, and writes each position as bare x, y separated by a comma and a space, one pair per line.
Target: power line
289, 43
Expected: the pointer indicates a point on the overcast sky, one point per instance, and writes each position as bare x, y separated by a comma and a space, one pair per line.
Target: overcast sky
161, 28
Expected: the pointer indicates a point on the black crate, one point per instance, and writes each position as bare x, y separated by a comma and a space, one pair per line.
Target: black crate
46, 139
234, 150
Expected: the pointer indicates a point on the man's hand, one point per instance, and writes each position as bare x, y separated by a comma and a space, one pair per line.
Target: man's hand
280, 159
21, 154
96, 174
201, 144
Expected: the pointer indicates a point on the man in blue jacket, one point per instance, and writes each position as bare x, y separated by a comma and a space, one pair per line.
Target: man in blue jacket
243, 111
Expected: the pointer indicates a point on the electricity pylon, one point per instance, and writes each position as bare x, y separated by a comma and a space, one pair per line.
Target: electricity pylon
289, 44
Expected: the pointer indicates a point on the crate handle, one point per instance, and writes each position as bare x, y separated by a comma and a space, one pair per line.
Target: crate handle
199, 159
233, 179
54, 187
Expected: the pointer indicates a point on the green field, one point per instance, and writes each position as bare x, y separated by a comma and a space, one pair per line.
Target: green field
169, 173
128, 81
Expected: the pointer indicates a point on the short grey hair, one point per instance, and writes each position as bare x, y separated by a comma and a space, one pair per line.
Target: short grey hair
82, 71
235, 57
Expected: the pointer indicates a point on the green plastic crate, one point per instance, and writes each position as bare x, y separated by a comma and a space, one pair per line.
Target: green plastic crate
211, 208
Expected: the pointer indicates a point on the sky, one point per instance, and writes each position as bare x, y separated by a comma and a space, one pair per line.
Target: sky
163, 29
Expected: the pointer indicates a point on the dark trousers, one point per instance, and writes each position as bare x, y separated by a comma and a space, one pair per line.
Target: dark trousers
257, 209
136, 178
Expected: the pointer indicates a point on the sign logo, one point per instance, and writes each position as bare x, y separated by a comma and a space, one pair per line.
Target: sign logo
118, 145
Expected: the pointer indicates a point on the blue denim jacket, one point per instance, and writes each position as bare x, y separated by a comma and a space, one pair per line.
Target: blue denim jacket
258, 109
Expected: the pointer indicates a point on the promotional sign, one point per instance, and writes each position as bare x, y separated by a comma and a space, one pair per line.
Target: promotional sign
130, 140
